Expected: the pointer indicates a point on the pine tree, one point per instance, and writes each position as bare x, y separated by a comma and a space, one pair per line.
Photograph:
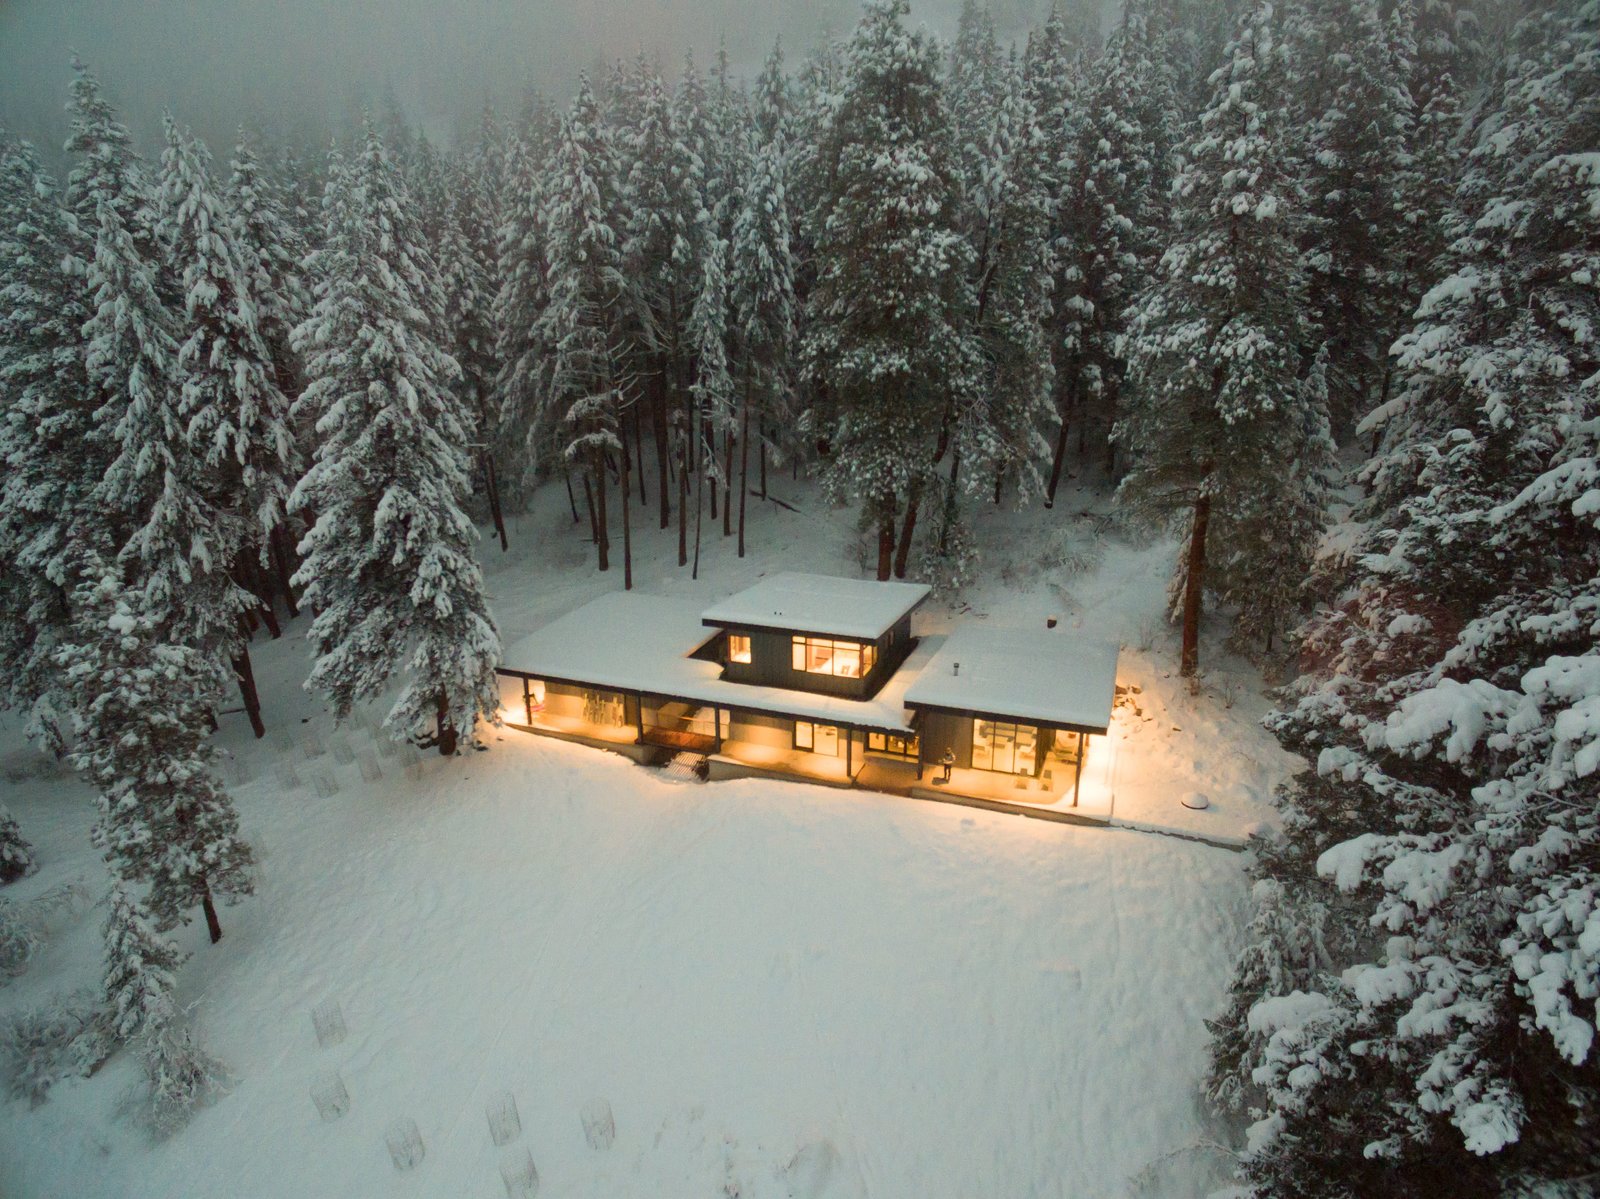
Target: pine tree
175, 539
1356, 111
998, 429
141, 969
1113, 172
1222, 425
107, 174
1449, 708
580, 390
165, 819
772, 108
887, 344
713, 384
16, 855
761, 288
272, 249
519, 303
663, 228
388, 563
975, 88
239, 452
467, 323
47, 442
269, 235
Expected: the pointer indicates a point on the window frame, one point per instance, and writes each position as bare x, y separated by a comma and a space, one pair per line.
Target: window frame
805, 649
733, 652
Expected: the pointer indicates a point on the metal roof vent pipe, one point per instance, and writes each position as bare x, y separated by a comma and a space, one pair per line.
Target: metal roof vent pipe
1049, 622
955, 668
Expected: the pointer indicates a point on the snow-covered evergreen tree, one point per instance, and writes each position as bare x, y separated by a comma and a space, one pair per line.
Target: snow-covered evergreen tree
1445, 1043
237, 417
519, 303
888, 343
47, 439
581, 396
272, 249
140, 970
107, 173
761, 291
144, 743
713, 383
388, 563
663, 228
1113, 174
16, 855
1356, 111
1223, 424
1000, 425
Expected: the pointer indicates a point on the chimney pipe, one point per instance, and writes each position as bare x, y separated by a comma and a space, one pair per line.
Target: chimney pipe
1049, 622
955, 668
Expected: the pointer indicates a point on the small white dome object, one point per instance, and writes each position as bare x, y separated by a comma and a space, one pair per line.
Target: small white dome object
1196, 800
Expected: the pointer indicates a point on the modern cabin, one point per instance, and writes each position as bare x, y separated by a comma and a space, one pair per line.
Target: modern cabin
822, 679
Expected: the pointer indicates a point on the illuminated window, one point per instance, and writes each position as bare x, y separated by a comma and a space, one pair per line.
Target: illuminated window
846, 659
818, 738
885, 743
1005, 748
739, 648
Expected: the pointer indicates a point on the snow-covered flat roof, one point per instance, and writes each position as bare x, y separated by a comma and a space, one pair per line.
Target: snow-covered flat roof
1048, 675
632, 642
862, 609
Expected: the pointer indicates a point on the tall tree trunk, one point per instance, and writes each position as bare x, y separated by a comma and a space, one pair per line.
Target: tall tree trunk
446, 728
744, 463
658, 421
602, 540
259, 584
247, 691
491, 487
594, 521
209, 907
638, 454
571, 499
683, 504
727, 475
699, 512
1055, 466
908, 529
709, 449
999, 484
627, 524
762, 433
885, 539
282, 558
1193, 587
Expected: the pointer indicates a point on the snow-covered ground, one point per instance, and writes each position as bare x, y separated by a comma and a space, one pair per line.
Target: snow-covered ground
780, 990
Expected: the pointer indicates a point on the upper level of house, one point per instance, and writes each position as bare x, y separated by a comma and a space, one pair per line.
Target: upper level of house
815, 633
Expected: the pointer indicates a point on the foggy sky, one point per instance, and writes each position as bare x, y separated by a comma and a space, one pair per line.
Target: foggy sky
302, 65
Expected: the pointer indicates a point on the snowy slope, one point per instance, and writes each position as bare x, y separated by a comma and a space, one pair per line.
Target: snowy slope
956, 1003
780, 990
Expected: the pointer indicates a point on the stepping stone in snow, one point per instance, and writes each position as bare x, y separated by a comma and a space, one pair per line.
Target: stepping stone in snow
343, 752
599, 1127
288, 777
324, 785
328, 1019
519, 1175
370, 770
405, 1143
311, 743
504, 1122
329, 1094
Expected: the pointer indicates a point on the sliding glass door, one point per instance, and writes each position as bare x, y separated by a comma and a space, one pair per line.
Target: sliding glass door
1004, 748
